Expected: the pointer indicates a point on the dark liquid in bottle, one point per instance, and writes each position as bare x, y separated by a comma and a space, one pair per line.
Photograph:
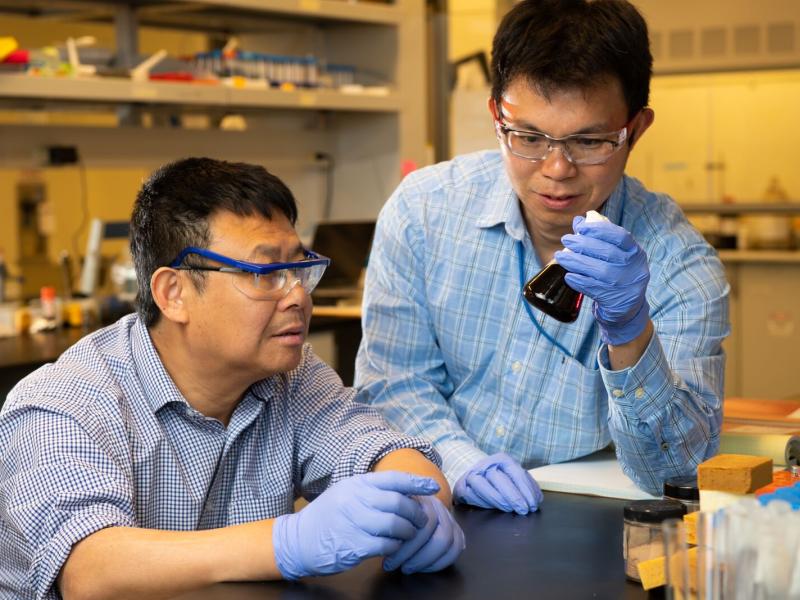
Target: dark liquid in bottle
548, 292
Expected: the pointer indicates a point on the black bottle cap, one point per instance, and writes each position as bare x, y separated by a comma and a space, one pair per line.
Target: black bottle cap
653, 511
682, 488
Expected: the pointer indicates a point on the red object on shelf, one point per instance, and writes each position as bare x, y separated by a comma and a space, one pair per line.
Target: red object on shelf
17, 57
172, 76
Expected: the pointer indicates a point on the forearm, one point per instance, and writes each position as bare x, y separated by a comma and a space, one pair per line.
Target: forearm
412, 461
665, 417
627, 355
126, 562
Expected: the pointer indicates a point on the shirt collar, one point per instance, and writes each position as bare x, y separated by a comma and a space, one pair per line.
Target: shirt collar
158, 385
502, 206
613, 207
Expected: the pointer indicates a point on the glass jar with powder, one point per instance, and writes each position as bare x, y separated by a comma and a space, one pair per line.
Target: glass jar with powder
642, 537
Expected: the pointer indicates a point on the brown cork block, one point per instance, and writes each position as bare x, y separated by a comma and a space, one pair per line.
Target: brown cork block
735, 473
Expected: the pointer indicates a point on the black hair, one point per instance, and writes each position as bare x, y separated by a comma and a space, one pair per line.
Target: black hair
573, 44
174, 206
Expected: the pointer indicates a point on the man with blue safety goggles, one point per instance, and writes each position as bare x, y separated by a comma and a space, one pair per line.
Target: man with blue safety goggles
269, 281
165, 452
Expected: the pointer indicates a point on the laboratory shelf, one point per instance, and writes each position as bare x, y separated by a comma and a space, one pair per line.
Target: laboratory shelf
345, 10
120, 90
202, 14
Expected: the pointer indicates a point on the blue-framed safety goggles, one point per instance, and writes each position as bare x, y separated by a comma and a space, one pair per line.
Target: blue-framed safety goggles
260, 281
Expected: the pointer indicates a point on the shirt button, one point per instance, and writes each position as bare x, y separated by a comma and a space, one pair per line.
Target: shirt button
516, 366
664, 446
500, 431
618, 393
639, 392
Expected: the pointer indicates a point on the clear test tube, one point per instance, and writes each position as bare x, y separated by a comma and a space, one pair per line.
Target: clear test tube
262, 68
312, 71
676, 562
741, 552
709, 565
774, 551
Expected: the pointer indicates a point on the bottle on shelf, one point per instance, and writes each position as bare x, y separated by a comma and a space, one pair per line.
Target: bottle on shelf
771, 231
729, 226
548, 291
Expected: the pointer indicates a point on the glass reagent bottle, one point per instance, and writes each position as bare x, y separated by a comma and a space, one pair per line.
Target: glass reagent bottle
548, 291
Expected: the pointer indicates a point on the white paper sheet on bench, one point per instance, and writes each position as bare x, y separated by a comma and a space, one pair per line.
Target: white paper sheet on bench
598, 474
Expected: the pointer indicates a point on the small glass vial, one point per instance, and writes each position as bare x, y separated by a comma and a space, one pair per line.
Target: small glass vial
684, 490
642, 537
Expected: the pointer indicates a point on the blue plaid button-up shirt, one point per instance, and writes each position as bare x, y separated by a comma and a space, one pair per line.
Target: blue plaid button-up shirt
450, 351
104, 438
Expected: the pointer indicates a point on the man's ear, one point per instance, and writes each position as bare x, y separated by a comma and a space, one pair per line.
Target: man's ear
168, 289
494, 112
642, 124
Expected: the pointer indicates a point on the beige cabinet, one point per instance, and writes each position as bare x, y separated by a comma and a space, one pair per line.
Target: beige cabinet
763, 351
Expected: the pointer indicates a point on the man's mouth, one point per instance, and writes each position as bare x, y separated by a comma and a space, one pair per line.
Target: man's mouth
292, 335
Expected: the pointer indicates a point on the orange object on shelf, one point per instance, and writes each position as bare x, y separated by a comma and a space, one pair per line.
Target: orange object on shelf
759, 410
779, 479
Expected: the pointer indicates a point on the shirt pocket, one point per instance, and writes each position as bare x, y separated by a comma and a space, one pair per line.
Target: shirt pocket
578, 411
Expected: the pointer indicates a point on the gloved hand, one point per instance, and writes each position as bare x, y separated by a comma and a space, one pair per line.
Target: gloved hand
498, 481
357, 518
436, 546
606, 264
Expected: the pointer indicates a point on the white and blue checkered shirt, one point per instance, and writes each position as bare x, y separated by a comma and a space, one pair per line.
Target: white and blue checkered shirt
103, 437
450, 353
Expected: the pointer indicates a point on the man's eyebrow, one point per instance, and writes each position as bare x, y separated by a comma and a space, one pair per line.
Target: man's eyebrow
273, 252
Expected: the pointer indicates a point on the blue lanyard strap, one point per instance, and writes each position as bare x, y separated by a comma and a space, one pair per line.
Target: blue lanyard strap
522, 280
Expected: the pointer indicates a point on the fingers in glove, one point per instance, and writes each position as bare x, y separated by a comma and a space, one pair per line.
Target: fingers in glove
437, 546
606, 231
588, 286
600, 249
405, 483
412, 546
526, 485
449, 557
376, 523
395, 503
508, 489
485, 494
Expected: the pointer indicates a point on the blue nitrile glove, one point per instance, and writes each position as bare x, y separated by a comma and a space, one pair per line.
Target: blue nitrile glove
498, 481
606, 264
436, 546
358, 518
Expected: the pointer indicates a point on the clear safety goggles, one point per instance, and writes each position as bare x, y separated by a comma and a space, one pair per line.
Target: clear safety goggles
261, 281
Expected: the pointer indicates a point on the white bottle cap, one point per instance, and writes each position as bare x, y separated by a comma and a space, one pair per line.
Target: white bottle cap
592, 216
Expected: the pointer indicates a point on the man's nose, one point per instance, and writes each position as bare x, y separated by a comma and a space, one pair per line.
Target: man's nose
556, 163
292, 282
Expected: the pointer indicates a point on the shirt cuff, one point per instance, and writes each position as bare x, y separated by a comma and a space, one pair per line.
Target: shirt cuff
638, 391
365, 453
51, 556
457, 458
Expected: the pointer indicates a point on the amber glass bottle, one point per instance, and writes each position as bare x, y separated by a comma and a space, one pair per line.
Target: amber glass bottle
548, 291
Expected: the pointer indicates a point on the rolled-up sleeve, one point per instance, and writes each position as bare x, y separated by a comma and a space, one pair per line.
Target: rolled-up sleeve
665, 412
57, 487
336, 437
